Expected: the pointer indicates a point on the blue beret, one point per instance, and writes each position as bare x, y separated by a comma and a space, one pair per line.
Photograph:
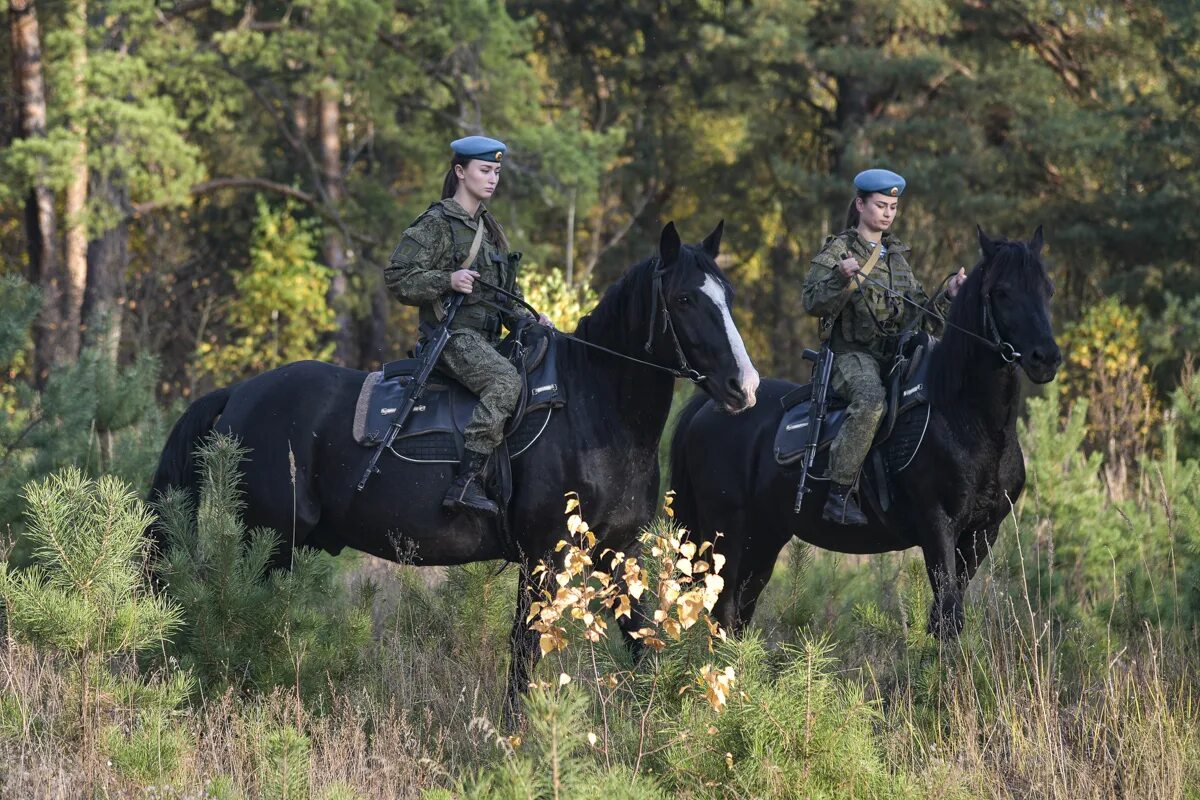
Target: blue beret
883, 181
480, 147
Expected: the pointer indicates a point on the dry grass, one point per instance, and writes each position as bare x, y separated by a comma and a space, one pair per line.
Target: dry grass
1016, 710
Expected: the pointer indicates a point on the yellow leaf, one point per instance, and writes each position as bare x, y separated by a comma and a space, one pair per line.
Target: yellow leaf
564, 679
572, 502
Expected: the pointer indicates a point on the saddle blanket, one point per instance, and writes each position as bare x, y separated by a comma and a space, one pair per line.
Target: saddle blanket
901, 432
434, 431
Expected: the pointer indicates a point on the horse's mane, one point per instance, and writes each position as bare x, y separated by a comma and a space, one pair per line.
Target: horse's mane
1013, 259
624, 310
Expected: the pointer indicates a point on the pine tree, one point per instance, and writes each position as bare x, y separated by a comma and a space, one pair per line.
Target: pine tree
85, 596
246, 623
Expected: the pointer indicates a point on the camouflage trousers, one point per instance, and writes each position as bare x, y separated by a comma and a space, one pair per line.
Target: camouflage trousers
476, 364
855, 377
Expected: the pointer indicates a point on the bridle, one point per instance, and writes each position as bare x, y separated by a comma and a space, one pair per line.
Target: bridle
997, 342
684, 370
994, 341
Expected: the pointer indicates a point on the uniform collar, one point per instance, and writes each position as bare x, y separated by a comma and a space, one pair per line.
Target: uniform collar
453, 208
893, 244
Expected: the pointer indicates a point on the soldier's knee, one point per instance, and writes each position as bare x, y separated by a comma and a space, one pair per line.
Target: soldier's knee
506, 386
869, 399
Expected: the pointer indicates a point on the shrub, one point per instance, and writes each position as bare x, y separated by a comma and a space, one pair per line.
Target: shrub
85, 597
243, 622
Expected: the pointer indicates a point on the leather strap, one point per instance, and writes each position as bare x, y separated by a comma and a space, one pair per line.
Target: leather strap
827, 322
475, 243
866, 268
439, 310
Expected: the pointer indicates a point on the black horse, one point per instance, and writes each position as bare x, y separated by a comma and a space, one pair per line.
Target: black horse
950, 500
603, 444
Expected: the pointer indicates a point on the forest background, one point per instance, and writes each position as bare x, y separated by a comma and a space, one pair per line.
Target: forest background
195, 191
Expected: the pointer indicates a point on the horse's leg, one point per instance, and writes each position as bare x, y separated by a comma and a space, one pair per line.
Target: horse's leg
755, 577
941, 565
522, 647
972, 548
728, 609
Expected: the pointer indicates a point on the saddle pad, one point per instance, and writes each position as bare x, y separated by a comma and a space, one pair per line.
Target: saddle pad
792, 434
438, 447
907, 387
434, 430
907, 435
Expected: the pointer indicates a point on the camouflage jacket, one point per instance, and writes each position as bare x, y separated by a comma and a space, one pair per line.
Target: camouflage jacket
433, 247
851, 315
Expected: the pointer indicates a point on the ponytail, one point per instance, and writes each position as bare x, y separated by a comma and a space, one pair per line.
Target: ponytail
450, 187
852, 215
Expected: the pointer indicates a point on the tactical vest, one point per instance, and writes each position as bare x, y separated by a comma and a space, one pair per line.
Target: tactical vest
872, 308
482, 309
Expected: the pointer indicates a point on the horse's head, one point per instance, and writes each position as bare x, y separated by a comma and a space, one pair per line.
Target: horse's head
697, 330
1015, 294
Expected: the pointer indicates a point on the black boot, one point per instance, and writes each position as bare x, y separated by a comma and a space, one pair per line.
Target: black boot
842, 507
468, 491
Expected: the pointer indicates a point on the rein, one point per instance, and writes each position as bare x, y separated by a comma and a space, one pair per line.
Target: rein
683, 371
993, 341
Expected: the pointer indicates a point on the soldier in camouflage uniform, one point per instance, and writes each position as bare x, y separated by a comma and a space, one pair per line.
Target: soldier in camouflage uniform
430, 261
862, 323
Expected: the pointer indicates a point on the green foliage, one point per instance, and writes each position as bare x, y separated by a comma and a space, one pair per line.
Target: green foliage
793, 729
279, 311
85, 593
18, 306
1103, 362
551, 760
244, 622
151, 751
285, 764
1105, 552
1185, 414
86, 596
94, 414
547, 291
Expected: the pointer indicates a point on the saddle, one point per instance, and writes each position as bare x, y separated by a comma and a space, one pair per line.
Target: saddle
901, 431
434, 432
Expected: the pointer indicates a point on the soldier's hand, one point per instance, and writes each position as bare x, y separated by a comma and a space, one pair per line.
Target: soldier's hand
463, 281
848, 266
956, 282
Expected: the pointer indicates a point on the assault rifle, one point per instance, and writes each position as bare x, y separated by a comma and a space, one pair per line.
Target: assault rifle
822, 366
431, 351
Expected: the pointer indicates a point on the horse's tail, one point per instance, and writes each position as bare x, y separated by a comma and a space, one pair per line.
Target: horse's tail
177, 464
679, 481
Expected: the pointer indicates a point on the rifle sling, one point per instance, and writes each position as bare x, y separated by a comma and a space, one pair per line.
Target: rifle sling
438, 310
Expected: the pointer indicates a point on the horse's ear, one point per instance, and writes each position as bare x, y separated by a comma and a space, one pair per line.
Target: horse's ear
669, 244
712, 242
986, 245
1035, 244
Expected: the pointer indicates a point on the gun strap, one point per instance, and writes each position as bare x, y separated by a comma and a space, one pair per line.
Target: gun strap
439, 310
863, 272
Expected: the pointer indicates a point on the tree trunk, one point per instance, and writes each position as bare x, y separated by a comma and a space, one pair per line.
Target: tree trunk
570, 257
40, 220
77, 187
330, 144
107, 260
